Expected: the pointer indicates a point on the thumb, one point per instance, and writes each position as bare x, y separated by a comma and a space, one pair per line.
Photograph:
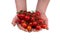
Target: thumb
14, 21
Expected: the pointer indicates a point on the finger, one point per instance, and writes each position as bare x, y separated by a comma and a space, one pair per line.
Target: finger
46, 22
34, 30
43, 16
14, 20
20, 27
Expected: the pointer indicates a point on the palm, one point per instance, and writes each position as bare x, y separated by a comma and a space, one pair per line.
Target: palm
19, 26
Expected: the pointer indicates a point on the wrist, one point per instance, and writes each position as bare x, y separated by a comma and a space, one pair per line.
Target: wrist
42, 12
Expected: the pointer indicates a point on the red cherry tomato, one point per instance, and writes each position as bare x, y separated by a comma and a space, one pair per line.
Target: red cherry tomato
21, 16
35, 23
27, 18
29, 28
38, 27
24, 25
32, 19
44, 26
22, 21
40, 21
37, 13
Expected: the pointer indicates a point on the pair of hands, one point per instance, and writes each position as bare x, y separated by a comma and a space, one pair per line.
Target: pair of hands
41, 6
43, 16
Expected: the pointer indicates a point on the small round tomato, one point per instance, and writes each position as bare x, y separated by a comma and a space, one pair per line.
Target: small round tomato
27, 18
29, 28
24, 25
35, 23
41, 21
38, 27
32, 19
44, 26
21, 16
22, 21
37, 13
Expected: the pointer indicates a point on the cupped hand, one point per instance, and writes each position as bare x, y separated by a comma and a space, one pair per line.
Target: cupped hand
15, 23
44, 17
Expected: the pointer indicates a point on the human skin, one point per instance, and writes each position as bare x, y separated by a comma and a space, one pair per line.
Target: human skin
21, 5
41, 7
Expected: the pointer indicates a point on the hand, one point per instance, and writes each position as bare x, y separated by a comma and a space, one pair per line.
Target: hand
19, 26
43, 16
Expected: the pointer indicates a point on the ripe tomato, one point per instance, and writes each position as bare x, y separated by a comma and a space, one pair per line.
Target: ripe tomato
27, 18
35, 23
22, 21
44, 26
24, 25
32, 19
37, 13
38, 27
29, 28
21, 16
40, 21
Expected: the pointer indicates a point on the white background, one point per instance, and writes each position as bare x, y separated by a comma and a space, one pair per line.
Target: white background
8, 32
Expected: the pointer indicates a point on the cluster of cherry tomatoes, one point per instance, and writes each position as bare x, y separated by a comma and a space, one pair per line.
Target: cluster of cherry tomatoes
31, 20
